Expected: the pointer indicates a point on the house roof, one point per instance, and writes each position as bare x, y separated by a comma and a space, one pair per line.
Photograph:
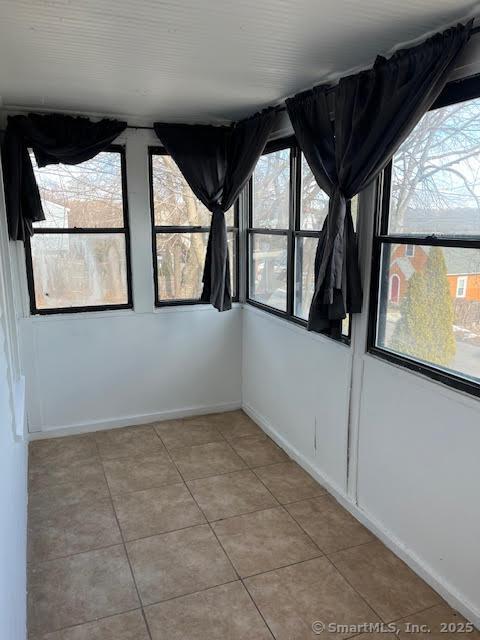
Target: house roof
443, 221
462, 261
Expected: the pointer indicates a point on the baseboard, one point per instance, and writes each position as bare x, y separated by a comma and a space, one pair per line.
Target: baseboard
438, 583
127, 421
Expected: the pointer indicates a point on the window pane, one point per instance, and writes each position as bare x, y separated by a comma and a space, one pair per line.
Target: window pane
83, 195
232, 256
305, 279
268, 270
271, 190
230, 217
430, 306
314, 201
314, 205
180, 262
174, 203
79, 270
435, 186
304, 275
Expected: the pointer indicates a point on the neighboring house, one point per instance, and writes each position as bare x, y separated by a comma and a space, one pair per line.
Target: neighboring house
463, 271
405, 260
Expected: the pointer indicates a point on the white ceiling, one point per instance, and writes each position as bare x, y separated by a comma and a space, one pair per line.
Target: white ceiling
194, 60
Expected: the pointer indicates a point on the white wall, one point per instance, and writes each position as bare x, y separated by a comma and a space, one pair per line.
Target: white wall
105, 369
13, 514
419, 474
285, 370
13, 464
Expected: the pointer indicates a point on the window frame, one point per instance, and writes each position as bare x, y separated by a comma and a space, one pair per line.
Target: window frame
125, 230
293, 232
156, 229
454, 92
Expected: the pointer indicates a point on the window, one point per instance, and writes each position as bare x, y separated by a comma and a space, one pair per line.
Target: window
287, 210
78, 257
461, 286
427, 310
181, 224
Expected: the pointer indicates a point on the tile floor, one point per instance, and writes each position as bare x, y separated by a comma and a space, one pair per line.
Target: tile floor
203, 529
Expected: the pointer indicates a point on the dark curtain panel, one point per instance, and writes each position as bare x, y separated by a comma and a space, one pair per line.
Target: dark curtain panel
217, 162
54, 138
374, 112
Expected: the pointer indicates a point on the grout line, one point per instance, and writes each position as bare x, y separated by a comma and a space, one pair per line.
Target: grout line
80, 624
304, 532
190, 593
208, 523
125, 547
257, 608
354, 588
225, 552
33, 564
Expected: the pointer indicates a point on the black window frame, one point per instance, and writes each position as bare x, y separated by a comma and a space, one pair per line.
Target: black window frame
454, 92
156, 229
125, 230
292, 234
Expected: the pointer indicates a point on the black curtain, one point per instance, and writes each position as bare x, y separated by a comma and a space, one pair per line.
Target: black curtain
374, 111
54, 138
217, 162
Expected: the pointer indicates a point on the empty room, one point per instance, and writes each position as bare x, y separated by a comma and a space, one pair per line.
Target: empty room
239, 320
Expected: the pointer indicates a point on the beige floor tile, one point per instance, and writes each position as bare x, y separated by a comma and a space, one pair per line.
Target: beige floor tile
235, 424
438, 623
386, 583
178, 563
128, 442
125, 626
187, 433
264, 540
222, 613
62, 451
289, 482
78, 589
206, 460
230, 494
143, 472
257, 451
54, 532
293, 598
82, 480
329, 524
145, 513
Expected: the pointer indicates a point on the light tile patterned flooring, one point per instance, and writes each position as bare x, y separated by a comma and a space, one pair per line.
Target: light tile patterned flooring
203, 529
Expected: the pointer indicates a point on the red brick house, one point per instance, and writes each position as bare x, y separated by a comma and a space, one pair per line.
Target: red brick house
463, 271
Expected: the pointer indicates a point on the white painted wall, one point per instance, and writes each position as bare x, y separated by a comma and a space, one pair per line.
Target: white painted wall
13, 513
419, 474
13, 463
112, 369
293, 379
